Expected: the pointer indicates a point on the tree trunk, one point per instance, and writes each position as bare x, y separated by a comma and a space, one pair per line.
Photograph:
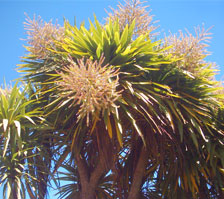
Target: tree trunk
87, 193
138, 175
89, 181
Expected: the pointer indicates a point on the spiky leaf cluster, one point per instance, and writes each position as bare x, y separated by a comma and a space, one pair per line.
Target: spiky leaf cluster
18, 120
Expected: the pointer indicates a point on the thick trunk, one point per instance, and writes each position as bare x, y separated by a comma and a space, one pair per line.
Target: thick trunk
87, 193
89, 181
89, 178
138, 175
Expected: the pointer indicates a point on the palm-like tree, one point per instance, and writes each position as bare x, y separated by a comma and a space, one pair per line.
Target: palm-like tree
124, 112
19, 120
122, 117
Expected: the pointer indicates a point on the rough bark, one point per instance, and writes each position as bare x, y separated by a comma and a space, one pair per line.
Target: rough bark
138, 175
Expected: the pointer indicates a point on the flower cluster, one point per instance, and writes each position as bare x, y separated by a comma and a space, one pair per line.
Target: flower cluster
90, 85
134, 10
191, 50
41, 35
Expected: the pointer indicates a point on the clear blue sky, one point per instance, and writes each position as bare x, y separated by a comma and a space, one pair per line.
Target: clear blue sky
173, 15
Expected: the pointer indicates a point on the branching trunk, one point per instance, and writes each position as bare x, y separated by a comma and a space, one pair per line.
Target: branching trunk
90, 175
138, 175
89, 181
84, 178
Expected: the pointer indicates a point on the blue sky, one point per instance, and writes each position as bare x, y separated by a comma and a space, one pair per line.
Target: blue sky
173, 15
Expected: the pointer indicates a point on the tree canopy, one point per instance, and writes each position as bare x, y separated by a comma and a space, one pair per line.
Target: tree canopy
113, 112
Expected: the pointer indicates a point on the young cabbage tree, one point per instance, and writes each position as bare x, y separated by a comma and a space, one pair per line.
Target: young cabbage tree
20, 117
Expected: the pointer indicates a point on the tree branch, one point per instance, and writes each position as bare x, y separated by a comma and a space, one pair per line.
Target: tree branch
83, 171
138, 174
98, 171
